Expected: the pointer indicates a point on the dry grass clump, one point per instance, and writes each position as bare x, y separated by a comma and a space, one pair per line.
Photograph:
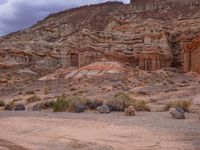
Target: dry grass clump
76, 104
33, 99
120, 102
184, 104
93, 104
43, 106
10, 105
141, 106
2, 103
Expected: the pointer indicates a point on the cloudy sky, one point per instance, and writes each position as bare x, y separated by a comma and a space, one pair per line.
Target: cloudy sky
19, 14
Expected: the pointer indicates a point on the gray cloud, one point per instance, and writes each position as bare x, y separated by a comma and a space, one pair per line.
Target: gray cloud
19, 14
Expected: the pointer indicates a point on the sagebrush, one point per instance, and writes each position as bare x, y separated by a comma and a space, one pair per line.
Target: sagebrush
184, 104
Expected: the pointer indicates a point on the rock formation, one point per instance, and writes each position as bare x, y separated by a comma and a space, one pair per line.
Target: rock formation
148, 34
130, 111
103, 109
191, 51
177, 113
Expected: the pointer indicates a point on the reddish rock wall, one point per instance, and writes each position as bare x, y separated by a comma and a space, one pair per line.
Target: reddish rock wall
192, 55
152, 61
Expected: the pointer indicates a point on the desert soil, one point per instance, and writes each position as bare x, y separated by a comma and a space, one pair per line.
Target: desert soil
92, 131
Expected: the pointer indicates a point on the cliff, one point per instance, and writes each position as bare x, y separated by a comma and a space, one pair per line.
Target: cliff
148, 34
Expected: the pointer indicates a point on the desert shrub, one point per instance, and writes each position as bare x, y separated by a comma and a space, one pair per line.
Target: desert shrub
61, 104
120, 102
184, 104
9, 106
2, 103
93, 104
141, 106
43, 105
47, 104
33, 99
12, 103
71, 104
76, 104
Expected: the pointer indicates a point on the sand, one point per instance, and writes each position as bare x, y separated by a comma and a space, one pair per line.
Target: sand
92, 131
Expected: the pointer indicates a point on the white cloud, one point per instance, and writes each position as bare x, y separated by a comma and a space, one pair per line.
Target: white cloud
18, 14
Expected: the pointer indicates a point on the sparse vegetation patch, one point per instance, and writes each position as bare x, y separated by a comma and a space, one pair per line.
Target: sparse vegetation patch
184, 104
76, 104
141, 106
61, 104
93, 104
2, 103
121, 101
33, 99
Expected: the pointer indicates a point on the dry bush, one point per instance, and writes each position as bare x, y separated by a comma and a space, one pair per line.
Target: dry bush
71, 104
184, 104
2, 103
9, 106
43, 106
93, 104
76, 104
120, 102
141, 106
33, 99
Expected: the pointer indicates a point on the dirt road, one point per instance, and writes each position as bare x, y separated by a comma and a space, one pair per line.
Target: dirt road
92, 131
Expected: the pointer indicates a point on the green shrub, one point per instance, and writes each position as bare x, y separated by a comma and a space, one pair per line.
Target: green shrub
33, 99
61, 104
71, 104
2, 104
184, 104
120, 102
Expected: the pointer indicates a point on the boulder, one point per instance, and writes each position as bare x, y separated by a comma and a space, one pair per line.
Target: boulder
103, 109
177, 113
78, 108
130, 111
16, 107
19, 107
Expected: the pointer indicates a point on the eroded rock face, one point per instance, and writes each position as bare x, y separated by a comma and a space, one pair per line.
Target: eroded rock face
148, 34
192, 55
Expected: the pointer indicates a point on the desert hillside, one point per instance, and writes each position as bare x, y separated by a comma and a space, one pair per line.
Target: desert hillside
143, 56
99, 50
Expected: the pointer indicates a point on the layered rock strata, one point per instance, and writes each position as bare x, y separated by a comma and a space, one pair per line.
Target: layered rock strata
148, 34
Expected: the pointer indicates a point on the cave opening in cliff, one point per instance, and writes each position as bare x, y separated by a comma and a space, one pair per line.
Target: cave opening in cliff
74, 60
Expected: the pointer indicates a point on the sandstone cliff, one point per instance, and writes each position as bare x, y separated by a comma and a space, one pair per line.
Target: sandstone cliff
149, 34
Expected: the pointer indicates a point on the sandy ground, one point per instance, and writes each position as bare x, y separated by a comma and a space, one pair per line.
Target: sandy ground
92, 131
